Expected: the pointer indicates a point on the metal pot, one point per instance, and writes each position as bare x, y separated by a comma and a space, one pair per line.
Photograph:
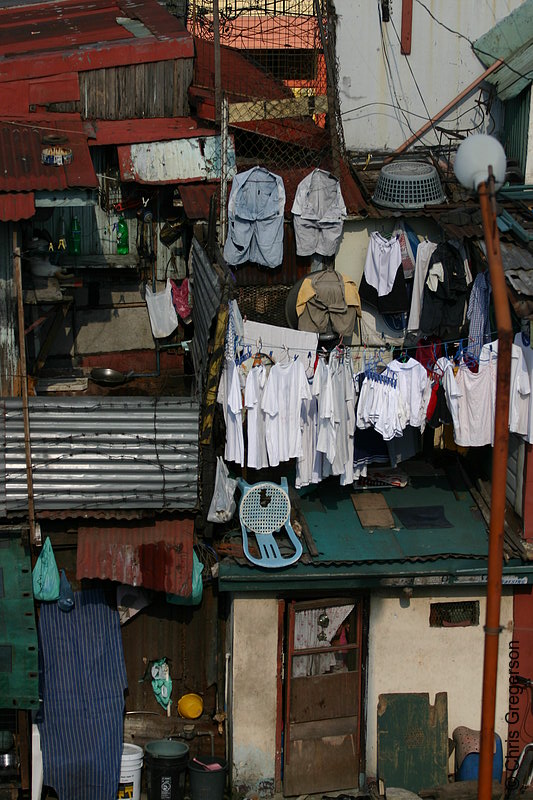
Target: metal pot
109, 377
8, 760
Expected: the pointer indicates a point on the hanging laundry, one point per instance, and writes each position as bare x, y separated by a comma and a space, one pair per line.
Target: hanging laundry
445, 292
527, 352
478, 314
319, 213
383, 282
423, 256
328, 300
310, 465
473, 422
520, 389
255, 219
256, 417
286, 388
408, 247
230, 398
414, 385
84, 678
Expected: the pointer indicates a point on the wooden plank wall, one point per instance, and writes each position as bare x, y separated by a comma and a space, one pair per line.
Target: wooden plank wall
155, 89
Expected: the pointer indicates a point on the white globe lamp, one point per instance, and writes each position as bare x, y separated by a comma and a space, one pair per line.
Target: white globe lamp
473, 158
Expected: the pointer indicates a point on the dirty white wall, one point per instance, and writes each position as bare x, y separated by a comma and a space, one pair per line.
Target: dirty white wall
254, 694
406, 655
376, 81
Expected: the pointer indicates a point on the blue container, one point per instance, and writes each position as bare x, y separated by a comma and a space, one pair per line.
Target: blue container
468, 771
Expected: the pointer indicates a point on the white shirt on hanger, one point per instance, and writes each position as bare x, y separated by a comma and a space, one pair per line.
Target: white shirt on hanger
286, 387
527, 352
423, 255
256, 429
383, 258
520, 390
230, 397
413, 380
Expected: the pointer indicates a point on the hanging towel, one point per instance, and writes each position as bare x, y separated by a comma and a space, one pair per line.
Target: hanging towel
83, 680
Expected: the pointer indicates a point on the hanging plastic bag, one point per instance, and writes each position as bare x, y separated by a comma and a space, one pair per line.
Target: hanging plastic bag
408, 247
163, 317
45, 575
66, 595
223, 505
197, 586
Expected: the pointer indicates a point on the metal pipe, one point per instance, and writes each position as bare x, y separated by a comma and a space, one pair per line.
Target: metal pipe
218, 69
17, 270
499, 471
429, 124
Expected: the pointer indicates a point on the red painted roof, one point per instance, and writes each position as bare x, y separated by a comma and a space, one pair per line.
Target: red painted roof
72, 36
129, 131
155, 555
16, 205
21, 144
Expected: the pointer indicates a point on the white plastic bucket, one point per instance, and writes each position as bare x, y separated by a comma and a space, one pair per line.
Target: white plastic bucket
129, 787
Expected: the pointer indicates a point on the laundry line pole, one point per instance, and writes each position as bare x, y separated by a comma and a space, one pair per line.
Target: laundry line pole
480, 164
500, 453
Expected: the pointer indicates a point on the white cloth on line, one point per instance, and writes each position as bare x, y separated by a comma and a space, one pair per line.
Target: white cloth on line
230, 397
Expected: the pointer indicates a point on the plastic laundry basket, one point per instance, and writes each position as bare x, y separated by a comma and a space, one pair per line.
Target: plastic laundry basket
207, 784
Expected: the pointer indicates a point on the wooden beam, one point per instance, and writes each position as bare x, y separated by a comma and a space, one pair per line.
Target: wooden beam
407, 27
277, 109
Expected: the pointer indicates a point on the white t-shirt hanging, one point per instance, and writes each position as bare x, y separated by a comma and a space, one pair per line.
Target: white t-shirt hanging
413, 380
474, 426
287, 386
527, 352
230, 397
383, 258
253, 395
520, 385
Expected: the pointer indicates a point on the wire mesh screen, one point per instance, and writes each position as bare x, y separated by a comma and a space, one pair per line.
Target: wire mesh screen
276, 62
451, 615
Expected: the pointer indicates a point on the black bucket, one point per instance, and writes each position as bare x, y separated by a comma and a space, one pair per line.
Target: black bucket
165, 768
207, 784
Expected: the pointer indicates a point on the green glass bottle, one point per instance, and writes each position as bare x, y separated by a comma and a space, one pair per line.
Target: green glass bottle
122, 237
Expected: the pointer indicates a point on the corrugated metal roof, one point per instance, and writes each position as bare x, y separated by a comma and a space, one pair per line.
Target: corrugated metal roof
16, 205
21, 144
174, 161
100, 453
207, 294
156, 555
517, 265
511, 39
58, 37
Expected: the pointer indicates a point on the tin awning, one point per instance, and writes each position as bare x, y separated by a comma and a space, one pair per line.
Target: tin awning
155, 555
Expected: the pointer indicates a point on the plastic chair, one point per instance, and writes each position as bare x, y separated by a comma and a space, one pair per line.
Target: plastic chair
264, 509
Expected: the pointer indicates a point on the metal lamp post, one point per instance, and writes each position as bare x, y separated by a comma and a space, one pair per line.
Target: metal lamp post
480, 164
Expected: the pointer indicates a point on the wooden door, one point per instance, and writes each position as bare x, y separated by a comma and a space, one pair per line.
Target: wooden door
322, 697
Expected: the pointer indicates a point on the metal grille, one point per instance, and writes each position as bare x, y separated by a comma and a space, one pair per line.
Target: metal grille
264, 508
263, 303
451, 615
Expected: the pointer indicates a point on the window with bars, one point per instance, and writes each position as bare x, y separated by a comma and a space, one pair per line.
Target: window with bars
454, 615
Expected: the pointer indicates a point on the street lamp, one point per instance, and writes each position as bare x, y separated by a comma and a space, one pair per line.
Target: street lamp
480, 164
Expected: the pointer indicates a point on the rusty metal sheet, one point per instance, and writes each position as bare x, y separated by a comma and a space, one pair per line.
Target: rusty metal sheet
197, 198
174, 161
155, 555
413, 740
128, 131
59, 37
21, 144
16, 205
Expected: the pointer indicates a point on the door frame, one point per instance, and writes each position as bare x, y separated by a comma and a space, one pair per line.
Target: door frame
286, 615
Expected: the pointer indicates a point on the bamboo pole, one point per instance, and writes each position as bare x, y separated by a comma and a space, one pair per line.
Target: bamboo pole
17, 270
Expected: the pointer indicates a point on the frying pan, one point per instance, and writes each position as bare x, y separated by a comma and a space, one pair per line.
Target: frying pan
109, 377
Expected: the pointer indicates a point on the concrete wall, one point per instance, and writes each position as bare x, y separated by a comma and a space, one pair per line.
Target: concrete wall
254, 694
376, 81
406, 655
